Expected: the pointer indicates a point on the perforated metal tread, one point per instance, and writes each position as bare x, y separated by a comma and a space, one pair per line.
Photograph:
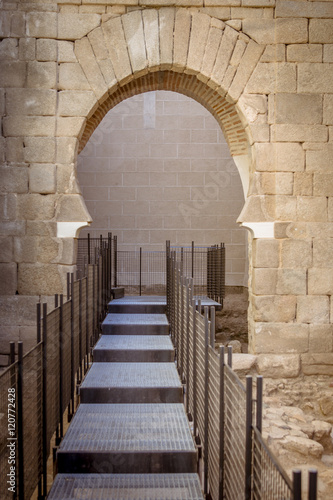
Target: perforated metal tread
128, 438
135, 324
205, 301
134, 348
126, 487
132, 383
153, 304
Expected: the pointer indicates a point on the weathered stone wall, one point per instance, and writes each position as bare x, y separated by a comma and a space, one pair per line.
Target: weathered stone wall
263, 68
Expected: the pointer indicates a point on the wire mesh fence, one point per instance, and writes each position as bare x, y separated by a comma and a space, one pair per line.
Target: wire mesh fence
236, 462
41, 384
144, 272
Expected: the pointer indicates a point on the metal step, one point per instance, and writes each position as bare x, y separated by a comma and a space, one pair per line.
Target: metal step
134, 348
136, 304
126, 487
132, 383
135, 324
128, 438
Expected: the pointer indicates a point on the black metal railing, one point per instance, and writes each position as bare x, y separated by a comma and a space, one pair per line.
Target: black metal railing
227, 418
41, 385
144, 272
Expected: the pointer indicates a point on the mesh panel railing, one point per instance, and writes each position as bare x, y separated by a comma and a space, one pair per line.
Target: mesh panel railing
43, 380
144, 272
8, 404
236, 463
32, 419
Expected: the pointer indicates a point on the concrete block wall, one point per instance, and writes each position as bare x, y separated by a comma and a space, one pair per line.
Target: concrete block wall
158, 167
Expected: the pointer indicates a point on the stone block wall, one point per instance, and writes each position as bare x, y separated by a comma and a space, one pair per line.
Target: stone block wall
262, 68
158, 167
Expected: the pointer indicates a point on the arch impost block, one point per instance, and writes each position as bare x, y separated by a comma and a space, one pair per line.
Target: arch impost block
260, 229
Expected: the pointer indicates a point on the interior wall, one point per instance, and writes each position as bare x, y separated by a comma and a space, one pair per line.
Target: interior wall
158, 167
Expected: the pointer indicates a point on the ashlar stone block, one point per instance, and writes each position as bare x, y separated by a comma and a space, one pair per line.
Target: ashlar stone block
151, 34
72, 26
249, 60
213, 43
182, 29
12, 74
321, 338
275, 183
264, 281
305, 53
314, 77
42, 75
166, 18
311, 208
36, 206
274, 308
268, 78
14, 179
199, 33
8, 282
46, 50
279, 365
296, 253
88, 62
321, 30
295, 108
72, 208
274, 53
281, 338
43, 126
303, 184
39, 149
320, 280
299, 133
117, 48
25, 249
27, 49
313, 309
77, 103
31, 102
72, 77
66, 52
317, 364
42, 178
266, 253
271, 31
6, 249
70, 126
9, 49
322, 252
133, 29
228, 42
36, 279
291, 282
42, 24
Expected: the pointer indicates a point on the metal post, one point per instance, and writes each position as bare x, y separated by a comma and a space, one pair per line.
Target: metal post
297, 484
312, 484
188, 299
206, 401
20, 449
39, 336
80, 329
230, 356
61, 369
140, 272
194, 367
192, 269
89, 249
44, 400
248, 439
68, 286
221, 476
212, 327
259, 403
72, 351
115, 261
